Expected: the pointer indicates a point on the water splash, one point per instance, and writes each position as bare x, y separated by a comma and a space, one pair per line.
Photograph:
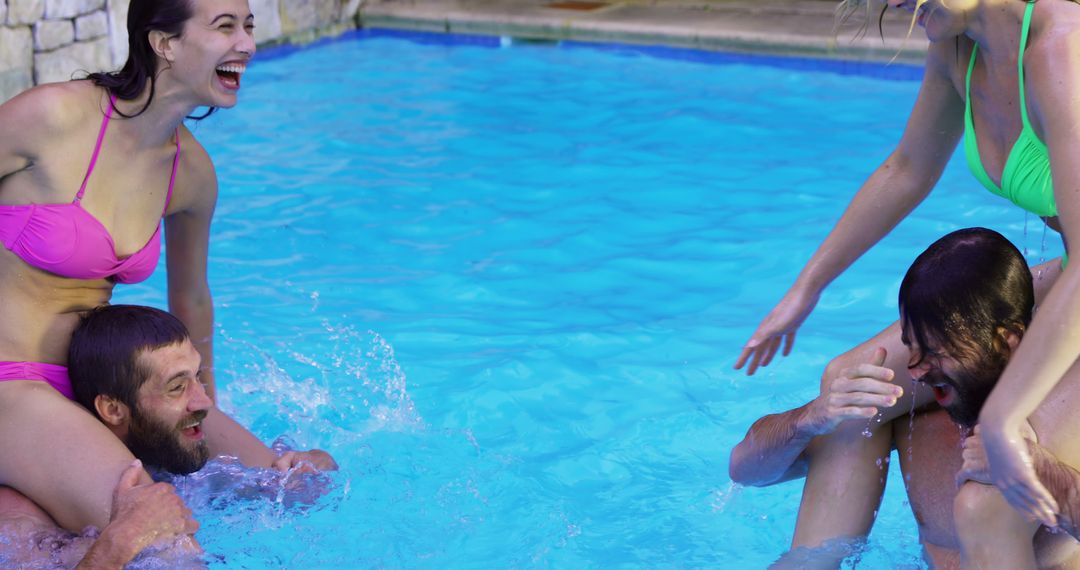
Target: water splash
345, 387
721, 497
268, 498
27, 545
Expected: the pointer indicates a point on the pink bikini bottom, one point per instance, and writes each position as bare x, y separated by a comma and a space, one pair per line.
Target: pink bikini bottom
52, 374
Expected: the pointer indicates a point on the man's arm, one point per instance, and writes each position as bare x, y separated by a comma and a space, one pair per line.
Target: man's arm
774, 449
1063, 482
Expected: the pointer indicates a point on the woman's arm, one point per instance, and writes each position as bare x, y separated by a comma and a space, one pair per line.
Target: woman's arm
16, 152
187, 244
887, 197
187, 241
1052, 343
30, 119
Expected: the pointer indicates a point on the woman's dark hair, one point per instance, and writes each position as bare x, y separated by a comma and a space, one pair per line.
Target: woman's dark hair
103, 357
963, 291
144, 16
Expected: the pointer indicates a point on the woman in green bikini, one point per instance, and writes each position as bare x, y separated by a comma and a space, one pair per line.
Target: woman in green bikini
1005, 74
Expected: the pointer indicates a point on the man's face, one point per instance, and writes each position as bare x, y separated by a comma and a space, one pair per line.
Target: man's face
960, 385
166, 423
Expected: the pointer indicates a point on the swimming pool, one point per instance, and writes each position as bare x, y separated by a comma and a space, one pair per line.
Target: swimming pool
505, 286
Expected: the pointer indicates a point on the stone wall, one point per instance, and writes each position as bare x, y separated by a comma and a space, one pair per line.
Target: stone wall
42, 41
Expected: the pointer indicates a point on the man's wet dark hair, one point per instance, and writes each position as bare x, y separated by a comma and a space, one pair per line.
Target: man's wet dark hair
104, 350
141, 67
964, 291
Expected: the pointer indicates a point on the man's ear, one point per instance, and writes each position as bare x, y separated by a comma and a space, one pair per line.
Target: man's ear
160, 42
1011, 338
111, 411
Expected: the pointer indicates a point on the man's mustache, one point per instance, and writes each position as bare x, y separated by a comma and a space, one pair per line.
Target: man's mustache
196, 417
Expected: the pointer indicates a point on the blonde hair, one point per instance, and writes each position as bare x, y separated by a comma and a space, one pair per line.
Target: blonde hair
846, 9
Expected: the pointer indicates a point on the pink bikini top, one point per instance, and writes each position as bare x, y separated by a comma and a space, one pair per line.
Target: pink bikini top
67, 240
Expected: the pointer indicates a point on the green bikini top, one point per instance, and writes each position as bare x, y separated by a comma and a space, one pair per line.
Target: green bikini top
1025, 180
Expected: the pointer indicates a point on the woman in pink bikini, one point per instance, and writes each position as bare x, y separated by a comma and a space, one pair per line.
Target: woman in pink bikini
88, 170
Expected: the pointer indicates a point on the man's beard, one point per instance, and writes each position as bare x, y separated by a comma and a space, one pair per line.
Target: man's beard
973, 386
158, 445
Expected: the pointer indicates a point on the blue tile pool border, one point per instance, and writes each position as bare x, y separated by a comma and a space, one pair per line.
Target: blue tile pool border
894, 71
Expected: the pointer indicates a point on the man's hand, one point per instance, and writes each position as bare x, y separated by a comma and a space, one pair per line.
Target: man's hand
858, 392
312, 461
149, 514
142, 516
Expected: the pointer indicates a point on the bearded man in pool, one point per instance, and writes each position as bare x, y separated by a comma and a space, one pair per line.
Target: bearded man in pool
136, 369
965, 304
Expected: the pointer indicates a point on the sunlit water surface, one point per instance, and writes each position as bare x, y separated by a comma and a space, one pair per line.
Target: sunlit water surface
505, 287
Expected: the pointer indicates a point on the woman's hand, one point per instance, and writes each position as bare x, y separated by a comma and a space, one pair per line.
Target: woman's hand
976, 467
312, 461
779, 326
1013, 472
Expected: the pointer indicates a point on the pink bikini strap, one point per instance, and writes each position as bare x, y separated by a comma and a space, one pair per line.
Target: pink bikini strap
172, 179
97, 148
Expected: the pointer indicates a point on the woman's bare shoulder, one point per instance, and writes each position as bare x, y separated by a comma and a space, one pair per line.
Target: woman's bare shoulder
195, 161
42, 113
196, 177
1052, 68
55, 108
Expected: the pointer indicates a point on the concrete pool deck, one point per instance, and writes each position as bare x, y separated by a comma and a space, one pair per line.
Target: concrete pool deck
777, 27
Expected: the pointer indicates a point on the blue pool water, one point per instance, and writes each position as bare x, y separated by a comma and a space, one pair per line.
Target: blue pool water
505, 287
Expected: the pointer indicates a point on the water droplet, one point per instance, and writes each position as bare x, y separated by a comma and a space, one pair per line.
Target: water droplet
1042, 246
1025, 233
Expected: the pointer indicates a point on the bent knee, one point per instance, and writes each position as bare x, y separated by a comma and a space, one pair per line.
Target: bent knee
854, 357
834, 368
981, 512
975, 504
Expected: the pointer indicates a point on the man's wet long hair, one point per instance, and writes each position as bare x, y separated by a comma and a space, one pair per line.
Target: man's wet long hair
964, 291
103, 358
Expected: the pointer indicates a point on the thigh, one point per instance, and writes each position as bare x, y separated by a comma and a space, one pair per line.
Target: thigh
58, 455
14, 505
847, 469
843, 488
991, 533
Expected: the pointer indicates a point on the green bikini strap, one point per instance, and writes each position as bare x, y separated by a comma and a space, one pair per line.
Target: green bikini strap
1020, 61
967, 80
